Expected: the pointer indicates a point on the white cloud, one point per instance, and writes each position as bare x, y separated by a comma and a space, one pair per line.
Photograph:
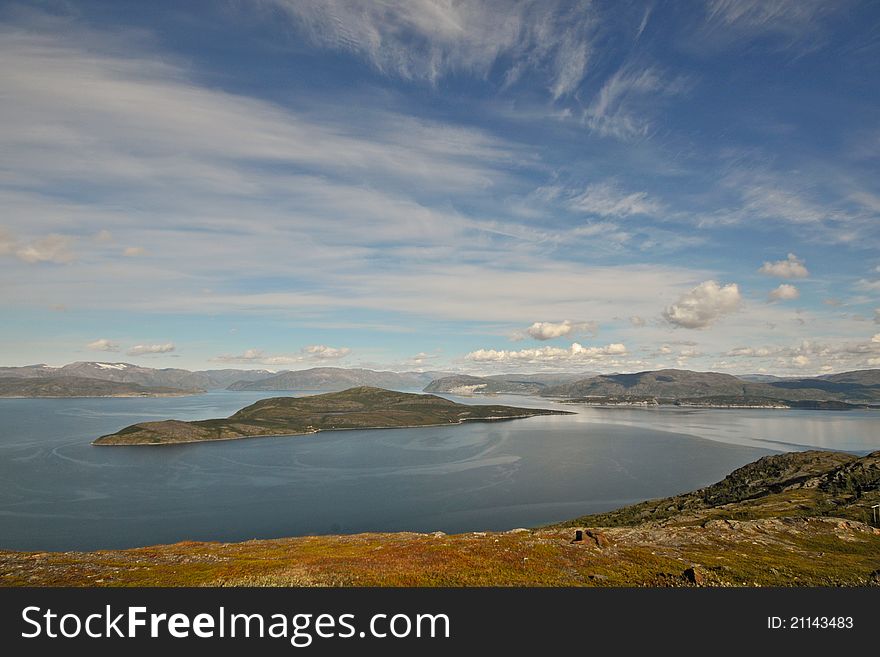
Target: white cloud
103, 344
549, 355
637, 321
758, 352
52, 248
620, 107
144, 349
791, 267
876, 338
769, 201
704, 304
323, 352
551, 330
607, 200
133, 251
784, 292
430, 39
877, 315
868, 286
793, 21
839, 355
311, 353
421, 357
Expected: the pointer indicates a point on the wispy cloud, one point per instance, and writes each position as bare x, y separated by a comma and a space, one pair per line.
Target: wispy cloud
607, 200
791, 22
430, 39
623, 106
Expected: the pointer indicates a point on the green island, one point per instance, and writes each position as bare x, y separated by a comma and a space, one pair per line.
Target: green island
356, 408
795, 519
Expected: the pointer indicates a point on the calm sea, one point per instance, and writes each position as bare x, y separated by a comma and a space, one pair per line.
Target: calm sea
57, 492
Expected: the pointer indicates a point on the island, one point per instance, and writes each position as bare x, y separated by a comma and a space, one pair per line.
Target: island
80, 386
356, 408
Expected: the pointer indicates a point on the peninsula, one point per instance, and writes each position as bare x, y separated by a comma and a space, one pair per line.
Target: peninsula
356, 408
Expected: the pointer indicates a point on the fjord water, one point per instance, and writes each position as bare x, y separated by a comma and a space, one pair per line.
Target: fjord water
60, 493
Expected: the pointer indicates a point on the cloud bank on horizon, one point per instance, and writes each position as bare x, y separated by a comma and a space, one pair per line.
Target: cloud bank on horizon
475, 186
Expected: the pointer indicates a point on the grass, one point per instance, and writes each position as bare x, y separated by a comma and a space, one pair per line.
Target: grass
767, 553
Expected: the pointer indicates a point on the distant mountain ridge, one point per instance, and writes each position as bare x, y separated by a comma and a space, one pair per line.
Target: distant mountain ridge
859, 386
80, 386
144, 376
862, 385
337, 378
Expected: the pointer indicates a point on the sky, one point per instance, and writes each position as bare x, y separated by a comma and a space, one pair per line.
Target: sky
442, 185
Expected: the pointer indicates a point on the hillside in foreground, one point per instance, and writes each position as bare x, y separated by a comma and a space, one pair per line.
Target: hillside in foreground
357, 408
786, 520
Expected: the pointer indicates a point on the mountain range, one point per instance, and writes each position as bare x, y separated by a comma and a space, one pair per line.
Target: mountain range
862, 386
144, 376
337, 378
80, 386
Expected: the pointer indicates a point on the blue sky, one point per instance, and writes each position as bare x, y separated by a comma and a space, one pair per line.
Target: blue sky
473, 186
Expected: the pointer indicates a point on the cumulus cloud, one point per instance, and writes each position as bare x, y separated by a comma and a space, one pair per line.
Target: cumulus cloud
791, 267
133, 251
637, 321
103, 344
551, 330
52, 248
784, 292
836, 355
323, 352
576, 353
145, 349
704, 304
